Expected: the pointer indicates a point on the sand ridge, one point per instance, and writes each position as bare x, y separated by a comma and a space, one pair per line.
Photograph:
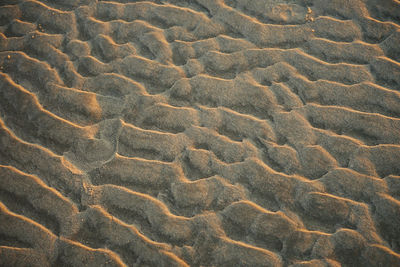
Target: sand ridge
199, 133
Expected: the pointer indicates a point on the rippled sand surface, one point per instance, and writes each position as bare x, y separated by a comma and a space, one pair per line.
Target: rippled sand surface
200, 133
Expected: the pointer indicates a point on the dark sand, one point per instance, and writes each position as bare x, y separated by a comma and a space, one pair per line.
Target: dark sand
200, 132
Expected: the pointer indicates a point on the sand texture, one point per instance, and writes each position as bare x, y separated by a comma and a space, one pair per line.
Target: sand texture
200, 133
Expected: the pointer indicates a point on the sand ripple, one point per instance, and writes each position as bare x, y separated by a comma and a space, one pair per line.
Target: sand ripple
201, 133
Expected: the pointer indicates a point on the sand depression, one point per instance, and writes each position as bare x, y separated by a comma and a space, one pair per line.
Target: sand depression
200, 133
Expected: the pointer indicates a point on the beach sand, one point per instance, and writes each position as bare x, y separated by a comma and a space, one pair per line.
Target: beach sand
200, 133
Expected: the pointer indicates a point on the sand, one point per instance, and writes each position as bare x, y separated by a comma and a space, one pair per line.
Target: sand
200, 133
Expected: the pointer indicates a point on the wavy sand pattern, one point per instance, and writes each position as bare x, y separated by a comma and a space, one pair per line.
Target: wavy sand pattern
200, 133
